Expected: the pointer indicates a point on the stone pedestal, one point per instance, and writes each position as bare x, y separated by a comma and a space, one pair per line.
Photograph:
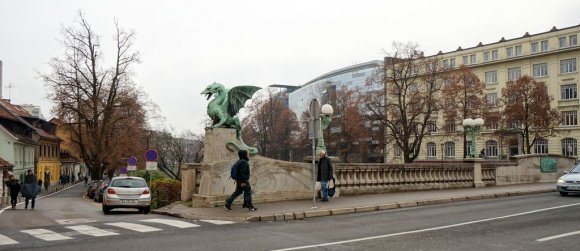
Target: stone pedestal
215, 142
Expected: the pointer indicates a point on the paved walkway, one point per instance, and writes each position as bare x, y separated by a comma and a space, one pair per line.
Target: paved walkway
299, 209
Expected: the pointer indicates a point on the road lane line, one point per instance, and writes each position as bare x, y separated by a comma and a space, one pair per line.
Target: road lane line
45, 234
558, 236
425, 230
218, 222
174, 223
92, 231
6, 241
134, 227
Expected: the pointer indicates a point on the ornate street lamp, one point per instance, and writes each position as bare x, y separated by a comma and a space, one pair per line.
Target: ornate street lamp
326, 112
472, 126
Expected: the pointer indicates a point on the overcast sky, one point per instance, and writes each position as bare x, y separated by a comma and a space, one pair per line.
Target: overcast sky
186, 45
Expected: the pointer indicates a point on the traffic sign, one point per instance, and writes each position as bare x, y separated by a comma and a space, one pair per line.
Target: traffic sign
314, 108
150, 166
123, 170
132, 161
131, 168
151, 155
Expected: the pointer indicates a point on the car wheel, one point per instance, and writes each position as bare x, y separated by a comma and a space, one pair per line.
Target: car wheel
146, 210
106, 209
564, 193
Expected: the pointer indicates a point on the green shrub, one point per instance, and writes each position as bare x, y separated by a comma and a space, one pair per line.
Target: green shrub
164, 192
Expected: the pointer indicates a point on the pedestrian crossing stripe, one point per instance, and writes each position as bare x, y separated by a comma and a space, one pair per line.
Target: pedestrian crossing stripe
134, 227
93, 231
6, 241
174, 223
45, 234
218, 222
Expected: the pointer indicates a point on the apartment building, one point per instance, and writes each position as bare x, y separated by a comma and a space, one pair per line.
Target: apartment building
549, 57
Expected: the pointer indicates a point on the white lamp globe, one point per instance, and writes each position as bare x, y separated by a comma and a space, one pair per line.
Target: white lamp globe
327, 109
478, 122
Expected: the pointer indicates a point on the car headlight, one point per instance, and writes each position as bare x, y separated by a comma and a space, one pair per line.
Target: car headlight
560, 181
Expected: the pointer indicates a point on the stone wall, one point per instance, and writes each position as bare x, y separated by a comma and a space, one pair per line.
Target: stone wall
526, 169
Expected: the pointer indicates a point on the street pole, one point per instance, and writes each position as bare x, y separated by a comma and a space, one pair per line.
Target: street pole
313, 173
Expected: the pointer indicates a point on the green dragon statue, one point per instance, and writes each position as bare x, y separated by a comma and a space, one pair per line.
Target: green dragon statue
225, 106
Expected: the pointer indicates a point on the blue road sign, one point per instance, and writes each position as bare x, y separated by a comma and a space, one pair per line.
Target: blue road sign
132, 161
151, 155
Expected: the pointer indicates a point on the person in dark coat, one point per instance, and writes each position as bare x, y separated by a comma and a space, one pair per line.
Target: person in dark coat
325, 173
40, 182
242, 183
14, 186
30, 189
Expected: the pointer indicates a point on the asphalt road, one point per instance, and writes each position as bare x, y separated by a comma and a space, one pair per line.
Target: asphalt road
534, 222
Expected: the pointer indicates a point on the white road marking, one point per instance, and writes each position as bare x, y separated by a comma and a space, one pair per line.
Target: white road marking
218, 222
45, 234
558, 236
93, 231
134, 227
6, 241
425, 230
174, 223
74, 221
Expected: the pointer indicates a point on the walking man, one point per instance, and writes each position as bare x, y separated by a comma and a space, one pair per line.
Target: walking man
325, 173
242, 183
14, 186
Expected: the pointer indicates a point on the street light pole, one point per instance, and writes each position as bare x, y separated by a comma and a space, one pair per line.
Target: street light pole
472, 126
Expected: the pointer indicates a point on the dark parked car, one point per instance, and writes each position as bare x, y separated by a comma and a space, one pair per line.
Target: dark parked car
92, 188
100, 189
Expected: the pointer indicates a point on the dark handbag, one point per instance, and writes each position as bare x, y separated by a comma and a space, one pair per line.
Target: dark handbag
332, 190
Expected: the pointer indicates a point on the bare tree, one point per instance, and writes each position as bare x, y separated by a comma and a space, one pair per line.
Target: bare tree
527, 110
462, 98
269, 125
410, 98
176, 150
98, 102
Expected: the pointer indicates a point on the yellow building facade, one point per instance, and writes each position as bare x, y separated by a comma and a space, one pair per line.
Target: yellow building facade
48, 166
549, 57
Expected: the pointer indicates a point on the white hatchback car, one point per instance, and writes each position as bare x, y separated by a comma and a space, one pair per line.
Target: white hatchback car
570, 181
127, 192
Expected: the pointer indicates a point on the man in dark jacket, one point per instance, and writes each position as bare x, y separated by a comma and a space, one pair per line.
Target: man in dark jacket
14, 186
325, 173
30, 188
242, 182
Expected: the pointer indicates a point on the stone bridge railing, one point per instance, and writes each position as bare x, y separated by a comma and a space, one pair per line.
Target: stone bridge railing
378, 178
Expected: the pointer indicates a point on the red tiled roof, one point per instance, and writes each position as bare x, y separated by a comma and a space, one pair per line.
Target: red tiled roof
5, 164
15, 109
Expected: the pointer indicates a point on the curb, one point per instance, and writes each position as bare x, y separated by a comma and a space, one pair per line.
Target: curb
301, 215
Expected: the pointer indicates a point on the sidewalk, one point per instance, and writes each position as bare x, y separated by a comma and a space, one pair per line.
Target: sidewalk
300, 209
5, 201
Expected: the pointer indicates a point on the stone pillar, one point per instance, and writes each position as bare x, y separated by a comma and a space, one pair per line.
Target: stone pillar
477, 174
188, 180
215, 142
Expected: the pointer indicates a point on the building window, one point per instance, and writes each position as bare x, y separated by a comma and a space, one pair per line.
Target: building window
450, 126
518, 50
569, 91
473, 59
491, 99
494, 55
486, 56
452, 62
569, 118
431, 127
465, 61
562, 42
568, 65
431, 149
540, 70
509, 52
514, 73
569, 147
544, 45
468, 147
541, 146
445, 63
449, 149
398, 152
491, 148
491, 77
493, 125
535, 48
573, 40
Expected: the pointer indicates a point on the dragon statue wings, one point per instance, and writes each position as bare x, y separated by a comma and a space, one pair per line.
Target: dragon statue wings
226, 105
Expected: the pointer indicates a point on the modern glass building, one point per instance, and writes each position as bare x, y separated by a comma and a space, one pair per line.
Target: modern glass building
355, 76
